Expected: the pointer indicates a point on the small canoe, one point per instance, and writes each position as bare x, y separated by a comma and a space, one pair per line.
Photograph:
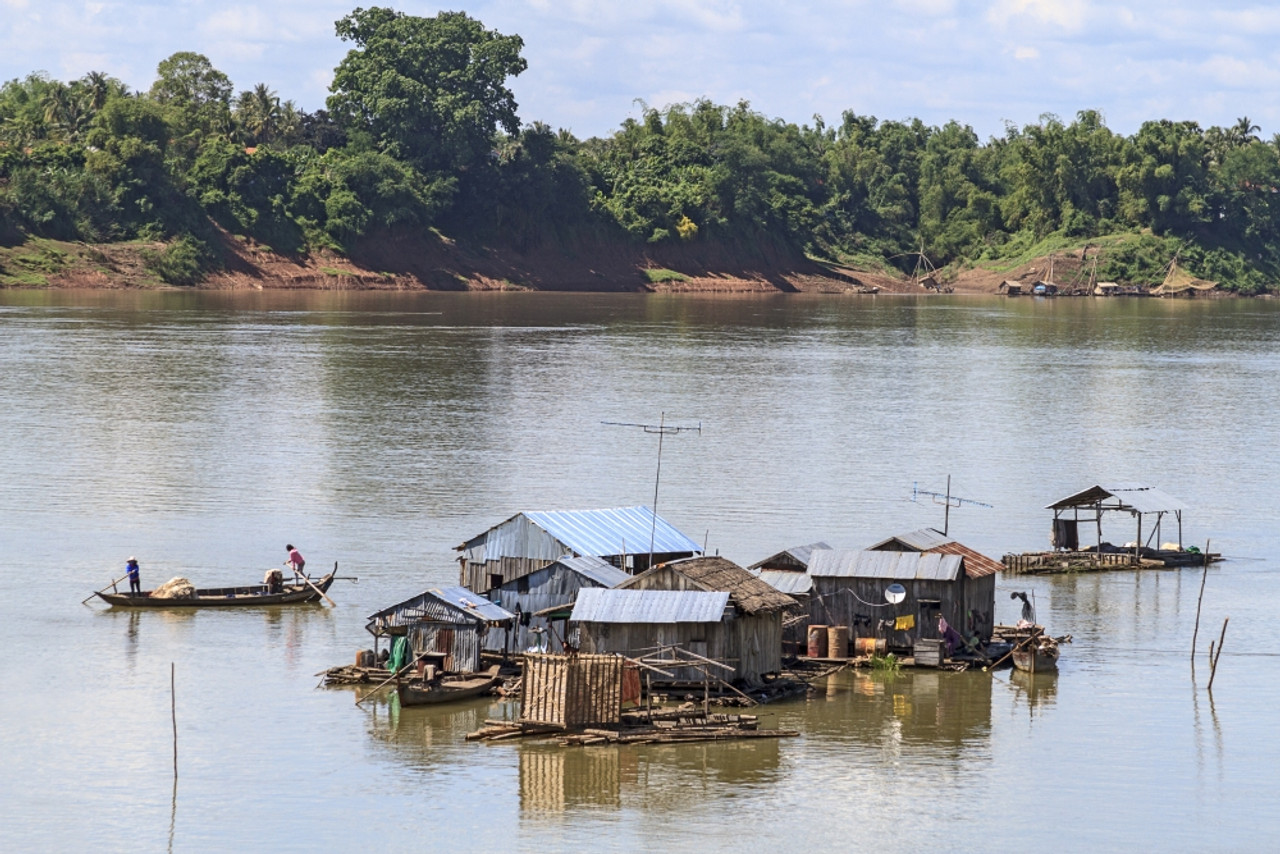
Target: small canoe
252, 596
1037, 657
447, 689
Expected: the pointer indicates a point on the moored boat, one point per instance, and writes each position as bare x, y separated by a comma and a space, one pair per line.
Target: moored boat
250, 596
1038, 656
447, 689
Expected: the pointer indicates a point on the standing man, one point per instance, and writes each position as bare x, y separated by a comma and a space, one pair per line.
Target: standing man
135, 580
295, 560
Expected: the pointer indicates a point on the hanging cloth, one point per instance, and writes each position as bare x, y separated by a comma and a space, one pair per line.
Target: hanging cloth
904, 624
399, 652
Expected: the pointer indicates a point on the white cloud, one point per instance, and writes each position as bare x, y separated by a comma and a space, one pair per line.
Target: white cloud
1026, 53
1068, 14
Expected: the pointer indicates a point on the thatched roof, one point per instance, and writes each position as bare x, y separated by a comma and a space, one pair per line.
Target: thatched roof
746, 592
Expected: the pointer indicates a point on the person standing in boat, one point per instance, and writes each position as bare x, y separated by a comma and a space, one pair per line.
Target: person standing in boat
295, 560
135, 579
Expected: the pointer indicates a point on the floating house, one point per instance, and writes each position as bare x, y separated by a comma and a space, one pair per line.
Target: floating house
553, 587
630, 538
1077, 534
747, 634
849, 589
445, 626
794, 559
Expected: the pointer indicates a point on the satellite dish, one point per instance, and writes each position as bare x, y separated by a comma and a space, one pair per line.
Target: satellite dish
895, 593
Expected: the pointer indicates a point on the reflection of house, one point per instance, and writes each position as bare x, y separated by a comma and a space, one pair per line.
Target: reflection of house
747, 634
556, 584
529, 541
449, 624
849, 590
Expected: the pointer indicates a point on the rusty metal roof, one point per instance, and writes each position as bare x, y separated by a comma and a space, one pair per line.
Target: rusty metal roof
854, 563
976, 564
1134, 497
597, 605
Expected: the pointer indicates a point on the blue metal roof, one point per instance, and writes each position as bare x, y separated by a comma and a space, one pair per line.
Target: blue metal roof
616, 531
596, 569
596, 605
852, 563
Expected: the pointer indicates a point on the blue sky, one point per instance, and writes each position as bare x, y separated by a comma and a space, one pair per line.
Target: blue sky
982, 63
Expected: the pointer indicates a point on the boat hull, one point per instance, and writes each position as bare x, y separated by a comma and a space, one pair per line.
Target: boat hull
1043, 660
432, 693
251, 596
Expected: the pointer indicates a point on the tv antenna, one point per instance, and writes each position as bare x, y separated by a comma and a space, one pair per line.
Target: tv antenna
662, 429
947, 500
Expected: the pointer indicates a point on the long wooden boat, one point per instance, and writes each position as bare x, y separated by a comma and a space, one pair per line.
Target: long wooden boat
447, 689
251, 596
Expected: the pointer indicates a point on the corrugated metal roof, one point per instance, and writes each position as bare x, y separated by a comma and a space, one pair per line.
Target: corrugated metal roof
447, 604
620, 530
596, 569
922, 540
853, 563
800, 554
791, 583
1131, 496
596, 605
976, 564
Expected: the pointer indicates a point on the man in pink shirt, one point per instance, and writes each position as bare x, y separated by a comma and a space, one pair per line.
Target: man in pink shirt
295, 560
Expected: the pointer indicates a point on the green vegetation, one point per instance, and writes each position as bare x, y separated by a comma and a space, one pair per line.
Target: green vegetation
420, 138
657, 275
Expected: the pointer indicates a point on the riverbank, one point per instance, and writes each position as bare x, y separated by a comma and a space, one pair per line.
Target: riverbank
433, 262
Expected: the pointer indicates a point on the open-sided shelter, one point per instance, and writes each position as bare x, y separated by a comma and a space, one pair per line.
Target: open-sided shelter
1141, 502
447, 624
849, 590
554, 585
626, 537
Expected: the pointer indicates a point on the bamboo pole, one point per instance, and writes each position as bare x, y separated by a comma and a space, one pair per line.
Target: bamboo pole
112, 585
1213, 668
395, 675
173, 714
1196, 634
296, 574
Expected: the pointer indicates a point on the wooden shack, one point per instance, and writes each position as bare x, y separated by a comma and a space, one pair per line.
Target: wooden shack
747, 636
849, 589
980, 574
630, 538
446, 626
794, 559
555, 585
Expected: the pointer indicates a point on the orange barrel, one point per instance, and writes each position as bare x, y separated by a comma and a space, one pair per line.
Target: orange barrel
870, 646
838, 641
817, 641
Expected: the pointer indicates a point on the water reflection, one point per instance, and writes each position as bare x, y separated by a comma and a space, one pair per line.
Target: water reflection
1038, 691
427, 736
950, 712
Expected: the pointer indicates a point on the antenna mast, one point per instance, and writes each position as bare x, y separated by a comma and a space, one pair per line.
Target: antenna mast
662, 428
948, 501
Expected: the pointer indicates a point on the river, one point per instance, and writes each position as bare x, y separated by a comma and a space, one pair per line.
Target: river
202, 431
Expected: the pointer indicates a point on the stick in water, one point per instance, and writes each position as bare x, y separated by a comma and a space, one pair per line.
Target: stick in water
173, 713
1213, 667
1196, 634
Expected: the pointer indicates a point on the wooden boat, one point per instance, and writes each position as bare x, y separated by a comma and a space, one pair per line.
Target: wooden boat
447, 689
1037, 656
252, 596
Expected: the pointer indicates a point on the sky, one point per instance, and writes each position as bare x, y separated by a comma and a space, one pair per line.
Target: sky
594, 63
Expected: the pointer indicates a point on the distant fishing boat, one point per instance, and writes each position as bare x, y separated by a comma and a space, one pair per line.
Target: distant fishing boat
251, 596
447, 689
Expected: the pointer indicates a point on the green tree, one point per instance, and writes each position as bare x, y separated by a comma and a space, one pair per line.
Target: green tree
428, 91
201, 93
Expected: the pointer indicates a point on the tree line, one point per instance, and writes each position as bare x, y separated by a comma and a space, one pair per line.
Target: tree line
420, 131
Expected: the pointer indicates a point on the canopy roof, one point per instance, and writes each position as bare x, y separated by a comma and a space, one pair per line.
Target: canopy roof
1131, 497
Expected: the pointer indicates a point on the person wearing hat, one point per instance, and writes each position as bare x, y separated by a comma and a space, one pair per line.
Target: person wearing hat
295, 560
135, 580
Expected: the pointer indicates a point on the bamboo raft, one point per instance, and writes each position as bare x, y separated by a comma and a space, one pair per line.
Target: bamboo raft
681, 726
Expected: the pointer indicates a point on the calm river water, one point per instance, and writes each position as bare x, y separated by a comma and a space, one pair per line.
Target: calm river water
203, 431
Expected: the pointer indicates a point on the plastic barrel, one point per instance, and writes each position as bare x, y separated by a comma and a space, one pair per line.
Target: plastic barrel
838, 641
818, 641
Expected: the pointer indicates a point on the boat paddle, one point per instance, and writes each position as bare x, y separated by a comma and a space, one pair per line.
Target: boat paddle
96, 592
379, 686
1019, 645
313, 585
